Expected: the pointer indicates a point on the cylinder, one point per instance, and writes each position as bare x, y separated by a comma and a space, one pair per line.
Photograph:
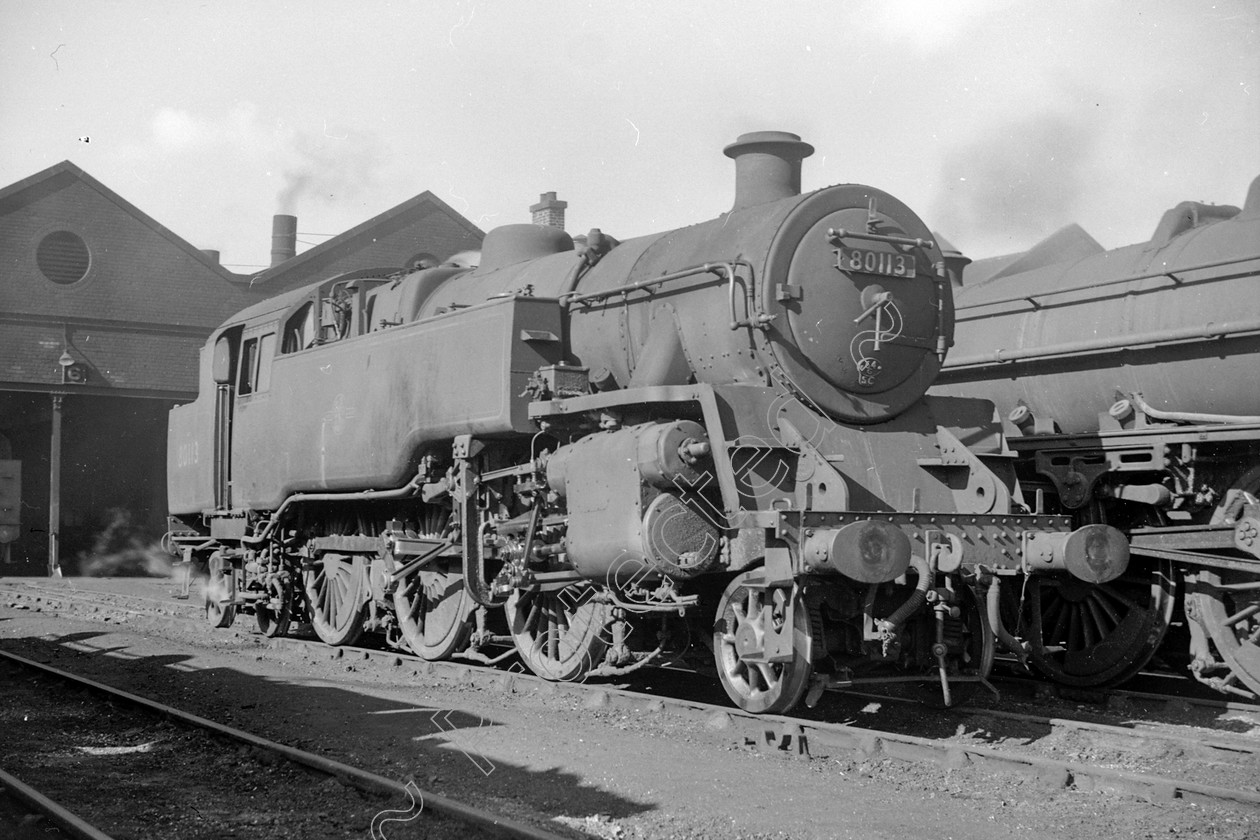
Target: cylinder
678, 540
619, 525
665, 454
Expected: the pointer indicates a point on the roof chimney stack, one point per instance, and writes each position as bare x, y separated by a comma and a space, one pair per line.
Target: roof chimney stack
549, 211
283, 238
767, 166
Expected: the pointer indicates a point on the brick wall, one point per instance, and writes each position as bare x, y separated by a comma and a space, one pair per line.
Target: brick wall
136, 274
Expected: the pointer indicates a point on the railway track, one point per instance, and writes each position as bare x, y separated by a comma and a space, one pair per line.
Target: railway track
1177, 762
108, 604
799, 736
36, 594
44, 817
1184, 694
118, 606
396, 801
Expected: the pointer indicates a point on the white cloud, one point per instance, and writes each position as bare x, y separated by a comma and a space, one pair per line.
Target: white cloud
174, 129
180, 136
930, 25
225, 171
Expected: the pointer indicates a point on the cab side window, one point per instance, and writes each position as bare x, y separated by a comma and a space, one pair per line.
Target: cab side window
255, 371
299, 330
249, 364
266, 352
337, 318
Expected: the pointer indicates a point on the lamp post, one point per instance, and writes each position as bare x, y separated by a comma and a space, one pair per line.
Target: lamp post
54, 475
54, 491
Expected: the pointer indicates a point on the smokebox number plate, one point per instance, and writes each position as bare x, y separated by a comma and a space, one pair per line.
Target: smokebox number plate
875, 262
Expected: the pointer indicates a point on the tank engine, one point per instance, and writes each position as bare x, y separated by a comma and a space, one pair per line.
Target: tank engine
1131, 381
596, 455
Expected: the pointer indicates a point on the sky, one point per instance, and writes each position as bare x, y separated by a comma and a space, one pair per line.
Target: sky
998, 122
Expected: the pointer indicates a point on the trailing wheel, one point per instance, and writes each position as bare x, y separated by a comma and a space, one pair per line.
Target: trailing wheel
1227, 605
337, 592
218, 590
748, 615
560, 635
434, 612
1092, 635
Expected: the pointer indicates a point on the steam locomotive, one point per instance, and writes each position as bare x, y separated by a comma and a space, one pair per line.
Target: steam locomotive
1131, 384
708, 444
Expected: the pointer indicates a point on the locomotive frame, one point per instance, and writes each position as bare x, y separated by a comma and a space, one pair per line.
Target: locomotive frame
709, 444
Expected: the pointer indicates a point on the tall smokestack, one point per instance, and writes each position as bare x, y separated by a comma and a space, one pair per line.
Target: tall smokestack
767, 166
549, 211
283, 238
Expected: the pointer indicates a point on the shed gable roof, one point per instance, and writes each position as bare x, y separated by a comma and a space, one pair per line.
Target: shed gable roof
57, 177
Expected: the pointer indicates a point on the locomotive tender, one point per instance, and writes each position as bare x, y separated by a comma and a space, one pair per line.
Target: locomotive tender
1131, 380
595, 457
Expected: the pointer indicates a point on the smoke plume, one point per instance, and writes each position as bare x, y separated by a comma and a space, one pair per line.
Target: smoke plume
329, 169
123, 550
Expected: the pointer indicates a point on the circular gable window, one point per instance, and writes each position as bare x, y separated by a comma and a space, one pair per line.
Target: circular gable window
63, 257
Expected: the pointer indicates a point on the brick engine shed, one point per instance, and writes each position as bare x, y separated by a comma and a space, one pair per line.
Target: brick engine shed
103, 314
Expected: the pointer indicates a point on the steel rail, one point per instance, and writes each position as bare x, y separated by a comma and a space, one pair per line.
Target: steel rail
1233, 744
1208, 703
361, 779
68, 821
83, 597
783, 734
1218, 705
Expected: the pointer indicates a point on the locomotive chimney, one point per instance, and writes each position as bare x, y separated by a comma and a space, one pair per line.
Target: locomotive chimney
767, 166
549, 212
283, 238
